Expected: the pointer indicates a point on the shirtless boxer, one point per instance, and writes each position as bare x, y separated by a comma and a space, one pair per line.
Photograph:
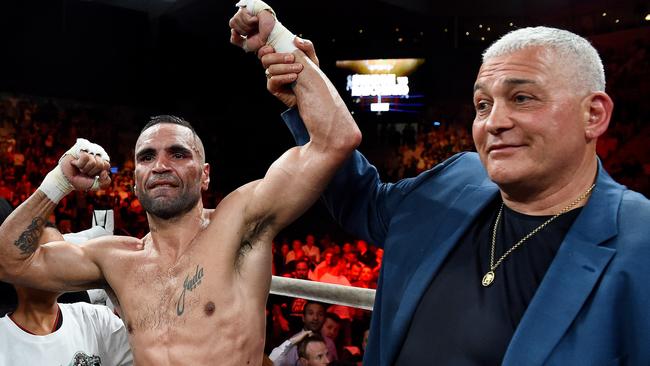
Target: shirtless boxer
193, 290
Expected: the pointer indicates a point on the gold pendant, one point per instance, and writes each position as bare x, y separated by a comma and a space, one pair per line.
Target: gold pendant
488, 279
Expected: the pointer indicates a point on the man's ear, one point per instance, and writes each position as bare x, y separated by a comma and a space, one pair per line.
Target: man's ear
205, 177
598, 109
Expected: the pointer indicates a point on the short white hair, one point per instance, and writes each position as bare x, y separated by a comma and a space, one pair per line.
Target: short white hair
573, 51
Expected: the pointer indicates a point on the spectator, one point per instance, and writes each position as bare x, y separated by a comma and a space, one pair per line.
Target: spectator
313, 351
366, 279
323, 266
353, 273
313, 319
365, 255
331, 327
295, 253
311, 250
302, 270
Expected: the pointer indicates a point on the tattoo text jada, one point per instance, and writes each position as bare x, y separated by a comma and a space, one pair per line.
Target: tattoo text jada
189, 284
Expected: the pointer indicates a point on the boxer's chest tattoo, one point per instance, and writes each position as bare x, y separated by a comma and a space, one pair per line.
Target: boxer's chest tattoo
191, 282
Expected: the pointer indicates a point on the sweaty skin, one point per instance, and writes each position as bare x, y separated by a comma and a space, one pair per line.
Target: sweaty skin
202, 308
193, 290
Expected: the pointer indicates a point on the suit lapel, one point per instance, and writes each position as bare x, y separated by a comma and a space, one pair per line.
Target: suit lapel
469, 203
570, 279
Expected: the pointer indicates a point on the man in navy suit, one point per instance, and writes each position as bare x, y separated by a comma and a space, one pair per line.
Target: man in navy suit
524, 253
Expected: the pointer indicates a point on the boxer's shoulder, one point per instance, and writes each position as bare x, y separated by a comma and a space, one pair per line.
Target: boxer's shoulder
113, 245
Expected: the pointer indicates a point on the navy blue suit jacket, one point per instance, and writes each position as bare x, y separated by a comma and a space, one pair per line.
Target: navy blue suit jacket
591, 308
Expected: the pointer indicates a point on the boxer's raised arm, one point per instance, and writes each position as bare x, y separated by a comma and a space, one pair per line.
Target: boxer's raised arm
57, 266
298, 177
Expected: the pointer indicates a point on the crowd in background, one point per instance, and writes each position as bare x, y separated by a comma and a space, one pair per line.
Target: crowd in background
356, 263
34, 133
418, 148
624, 149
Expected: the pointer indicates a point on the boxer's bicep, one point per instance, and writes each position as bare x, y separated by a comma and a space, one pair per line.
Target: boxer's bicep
60, 266
50, 234
293, 183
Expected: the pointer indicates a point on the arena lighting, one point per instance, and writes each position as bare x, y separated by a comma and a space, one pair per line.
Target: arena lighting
379, 78
647, 17
379, 107
397, 66
361, 85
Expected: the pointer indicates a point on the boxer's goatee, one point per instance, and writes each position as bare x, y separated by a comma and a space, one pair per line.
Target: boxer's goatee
168, 207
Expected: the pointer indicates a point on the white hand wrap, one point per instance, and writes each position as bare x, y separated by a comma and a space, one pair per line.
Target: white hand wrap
281, 39
56, 185
87, 146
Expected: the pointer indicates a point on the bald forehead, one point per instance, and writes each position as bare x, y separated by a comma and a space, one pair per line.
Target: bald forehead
163, 135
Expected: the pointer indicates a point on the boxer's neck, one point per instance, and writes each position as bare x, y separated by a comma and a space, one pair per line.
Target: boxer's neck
172, 237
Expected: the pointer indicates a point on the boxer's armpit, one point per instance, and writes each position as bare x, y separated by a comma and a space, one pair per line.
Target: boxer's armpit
258, 229
28, 240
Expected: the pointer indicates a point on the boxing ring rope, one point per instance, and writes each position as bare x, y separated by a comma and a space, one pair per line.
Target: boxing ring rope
356, 297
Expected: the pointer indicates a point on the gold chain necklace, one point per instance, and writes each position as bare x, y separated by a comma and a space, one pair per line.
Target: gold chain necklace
489, 276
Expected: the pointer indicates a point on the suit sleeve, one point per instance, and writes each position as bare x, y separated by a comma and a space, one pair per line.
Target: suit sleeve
355, 197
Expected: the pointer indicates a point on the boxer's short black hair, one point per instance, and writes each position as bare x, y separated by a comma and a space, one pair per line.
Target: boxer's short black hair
166, 118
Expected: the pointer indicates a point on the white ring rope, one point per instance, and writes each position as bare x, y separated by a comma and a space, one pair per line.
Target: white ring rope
356, 297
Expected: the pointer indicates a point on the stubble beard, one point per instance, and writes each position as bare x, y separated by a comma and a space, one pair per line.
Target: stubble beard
167, 208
